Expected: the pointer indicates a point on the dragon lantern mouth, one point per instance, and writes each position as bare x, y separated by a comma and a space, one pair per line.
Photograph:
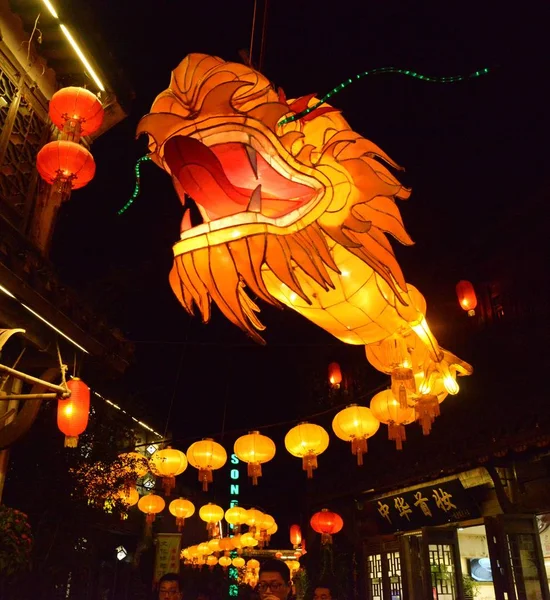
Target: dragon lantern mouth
235, 178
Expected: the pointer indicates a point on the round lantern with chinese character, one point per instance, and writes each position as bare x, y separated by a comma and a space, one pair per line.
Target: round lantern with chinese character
181, 509
466, 297
77, 112
327, 523
72, 413
65, 165
167, 464
307, 441
295, 535
206, 456
211, 514
151, 505
254, 449
387, 409
355, 424
334, 375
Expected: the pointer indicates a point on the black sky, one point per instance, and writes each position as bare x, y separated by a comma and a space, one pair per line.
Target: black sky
472, 152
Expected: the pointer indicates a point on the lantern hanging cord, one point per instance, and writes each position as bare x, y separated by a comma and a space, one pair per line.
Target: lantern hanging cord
137, 188
395, 70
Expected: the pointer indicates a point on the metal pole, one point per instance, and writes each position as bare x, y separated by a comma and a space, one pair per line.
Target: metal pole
31, 379
45, 396
5, 454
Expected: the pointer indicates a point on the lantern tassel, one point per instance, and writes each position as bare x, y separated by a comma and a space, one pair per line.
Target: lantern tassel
397, 433
326, 539
359, 447
254, 471
180, 522
427, 409
205, 475
71, 441
168, 484
309, 463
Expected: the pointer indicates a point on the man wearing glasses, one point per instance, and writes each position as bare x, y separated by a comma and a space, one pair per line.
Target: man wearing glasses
274, 581
170, 587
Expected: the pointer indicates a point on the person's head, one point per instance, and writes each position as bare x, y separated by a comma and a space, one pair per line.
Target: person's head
170, 587
323, 592
274, 580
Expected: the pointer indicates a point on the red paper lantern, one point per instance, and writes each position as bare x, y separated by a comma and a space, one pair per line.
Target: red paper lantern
466, 297
327, 523
295, 535
76, 111
334, 375
66, 164
72, 413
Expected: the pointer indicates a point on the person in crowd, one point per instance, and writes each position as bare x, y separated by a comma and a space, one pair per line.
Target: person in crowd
274, 580
170, 587
323, 591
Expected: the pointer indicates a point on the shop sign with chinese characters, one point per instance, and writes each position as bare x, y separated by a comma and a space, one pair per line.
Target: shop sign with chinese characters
168, 554
428, 506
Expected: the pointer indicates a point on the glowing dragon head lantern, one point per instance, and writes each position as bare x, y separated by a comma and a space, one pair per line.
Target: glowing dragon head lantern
294, 212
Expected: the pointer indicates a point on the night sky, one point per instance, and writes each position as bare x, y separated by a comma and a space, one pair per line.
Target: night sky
472, 151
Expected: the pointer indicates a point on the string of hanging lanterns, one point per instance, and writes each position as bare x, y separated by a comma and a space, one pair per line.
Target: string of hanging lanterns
65, 163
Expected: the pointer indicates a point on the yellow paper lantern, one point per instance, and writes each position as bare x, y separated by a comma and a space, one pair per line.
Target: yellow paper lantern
355, 424
211, 561
151, 505
298, 211
273, 529
235, 516
237, 541
307, 441
134, 464
253, 518
128, 495
211, 514
254, 449
204, 549
224, 561
206, 456
214, 544
238, 562
248, 540
181, 509
167, 464
387, 409
252, 564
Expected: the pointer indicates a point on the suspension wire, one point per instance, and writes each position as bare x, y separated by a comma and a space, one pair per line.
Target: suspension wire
264, 35
252, 32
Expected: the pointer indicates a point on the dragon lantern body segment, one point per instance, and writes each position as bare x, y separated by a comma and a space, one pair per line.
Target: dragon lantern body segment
297, 214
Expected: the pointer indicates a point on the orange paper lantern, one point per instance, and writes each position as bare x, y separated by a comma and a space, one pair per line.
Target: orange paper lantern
387, 409
181, 509
327, 523
466, 297
211, 514
334, 375
296, 212
254, 449
206, 456
66, 165
168, 463
129, 496
76, 111
151, 505
355, 424
307, 441
295, 535
72, 413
